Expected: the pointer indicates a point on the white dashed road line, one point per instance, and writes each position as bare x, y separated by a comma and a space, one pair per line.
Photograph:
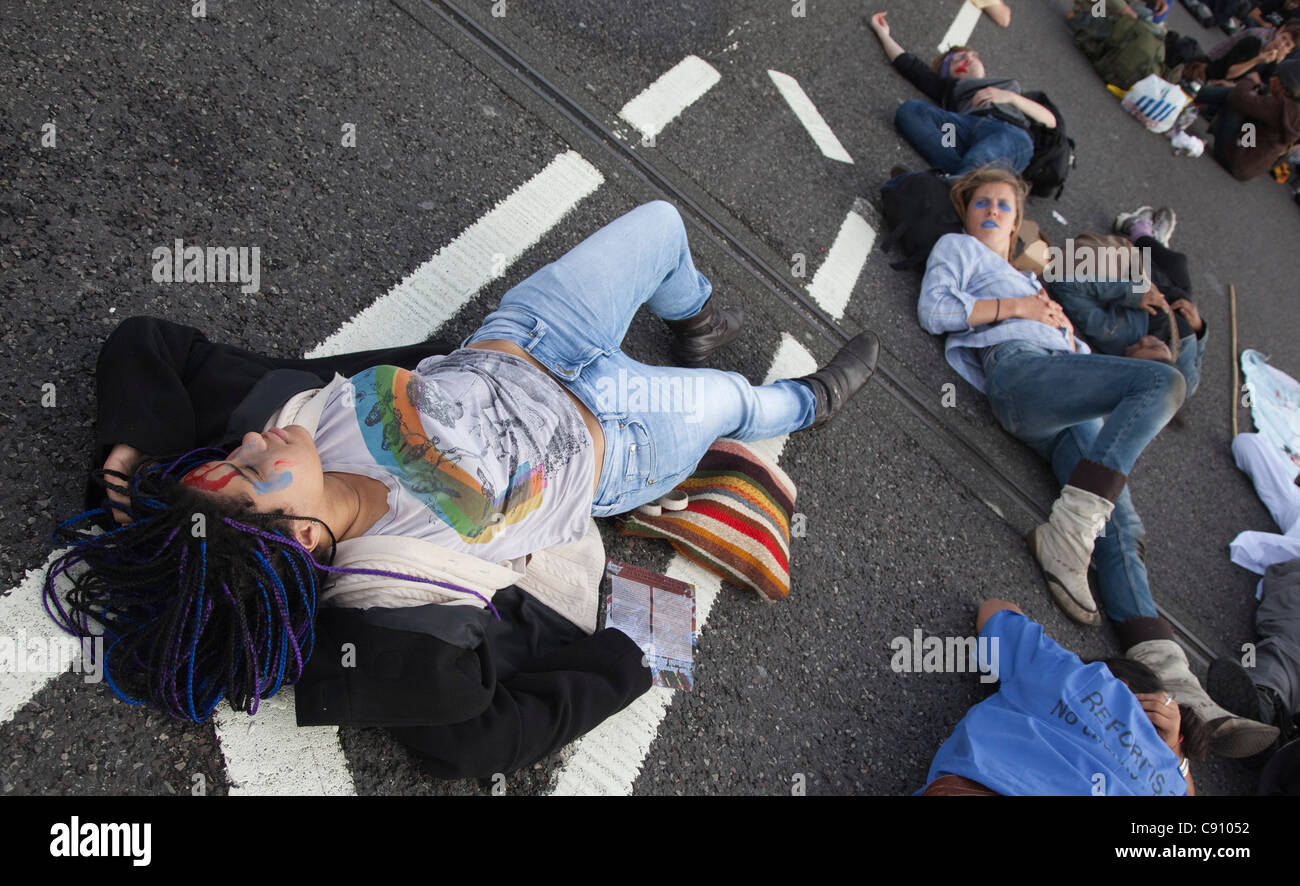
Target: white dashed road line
671, 94
23, 623
809, 116
961, 28
833, 283
267, 754
433, 293
607, 760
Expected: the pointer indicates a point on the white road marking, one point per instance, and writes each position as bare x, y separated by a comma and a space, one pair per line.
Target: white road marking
808, 115
833, 283
962, 27
675, 91
607, 760
269, 754
432, 294
22, 620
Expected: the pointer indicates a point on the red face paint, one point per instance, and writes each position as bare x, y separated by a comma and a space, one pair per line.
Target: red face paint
201, 477
285, 462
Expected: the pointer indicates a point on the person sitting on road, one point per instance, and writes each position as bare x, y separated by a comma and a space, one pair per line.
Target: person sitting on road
1089, 415
1254, 127
1152, 318
388, 515
1267, 13
1253, 54
1060, 726
971, 120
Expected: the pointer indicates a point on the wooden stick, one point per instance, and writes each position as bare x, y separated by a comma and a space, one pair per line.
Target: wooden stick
1236, 364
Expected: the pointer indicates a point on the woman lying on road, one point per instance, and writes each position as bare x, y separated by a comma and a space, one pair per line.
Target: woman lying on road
427, 482
1057, 726
971, 120
1089, 415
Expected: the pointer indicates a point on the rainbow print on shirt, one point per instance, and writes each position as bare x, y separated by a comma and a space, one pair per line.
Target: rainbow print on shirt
385, 403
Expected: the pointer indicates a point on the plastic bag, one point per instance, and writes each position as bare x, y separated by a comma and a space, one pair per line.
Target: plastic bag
1156, 102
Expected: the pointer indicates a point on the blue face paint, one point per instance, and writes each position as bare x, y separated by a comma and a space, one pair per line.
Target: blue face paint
274, 483
1004, 206
989, 223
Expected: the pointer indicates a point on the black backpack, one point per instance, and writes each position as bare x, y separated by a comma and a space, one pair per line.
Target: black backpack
1053, 153
918, 211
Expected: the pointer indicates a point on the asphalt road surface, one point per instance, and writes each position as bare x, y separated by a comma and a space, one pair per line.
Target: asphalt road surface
353, 144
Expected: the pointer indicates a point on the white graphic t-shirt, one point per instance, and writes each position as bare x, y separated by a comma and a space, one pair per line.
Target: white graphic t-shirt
481, 452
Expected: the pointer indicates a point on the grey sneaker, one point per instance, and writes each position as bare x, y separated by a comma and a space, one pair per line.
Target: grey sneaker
1162, 225
1125, 220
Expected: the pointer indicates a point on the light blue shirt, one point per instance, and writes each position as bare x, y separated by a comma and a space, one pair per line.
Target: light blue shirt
961, 271
1056, 726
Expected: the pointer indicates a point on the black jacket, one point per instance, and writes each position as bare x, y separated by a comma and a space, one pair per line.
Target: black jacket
473, 694
943, 90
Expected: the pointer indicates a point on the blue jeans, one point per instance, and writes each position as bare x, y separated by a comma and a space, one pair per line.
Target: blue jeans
658, 420
972, 142
1106, 409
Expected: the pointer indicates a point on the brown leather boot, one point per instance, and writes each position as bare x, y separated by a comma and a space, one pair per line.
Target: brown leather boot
696, 338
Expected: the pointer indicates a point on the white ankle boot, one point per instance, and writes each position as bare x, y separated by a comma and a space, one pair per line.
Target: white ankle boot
1063, 548
1230, 735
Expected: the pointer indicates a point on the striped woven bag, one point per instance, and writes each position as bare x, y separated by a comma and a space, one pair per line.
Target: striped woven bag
736, 523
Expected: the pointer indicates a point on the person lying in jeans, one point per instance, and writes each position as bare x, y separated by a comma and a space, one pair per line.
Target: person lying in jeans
378, 534
970, 120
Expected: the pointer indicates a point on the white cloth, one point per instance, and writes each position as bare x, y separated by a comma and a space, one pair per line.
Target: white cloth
1274, 483
1274, 405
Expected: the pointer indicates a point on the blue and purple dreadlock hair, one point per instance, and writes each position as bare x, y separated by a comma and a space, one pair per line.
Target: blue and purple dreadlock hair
200, 599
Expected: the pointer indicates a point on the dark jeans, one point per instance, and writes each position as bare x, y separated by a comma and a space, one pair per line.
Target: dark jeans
1170, 274
959, 143
1227, 124
1277, 621
1107, 409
